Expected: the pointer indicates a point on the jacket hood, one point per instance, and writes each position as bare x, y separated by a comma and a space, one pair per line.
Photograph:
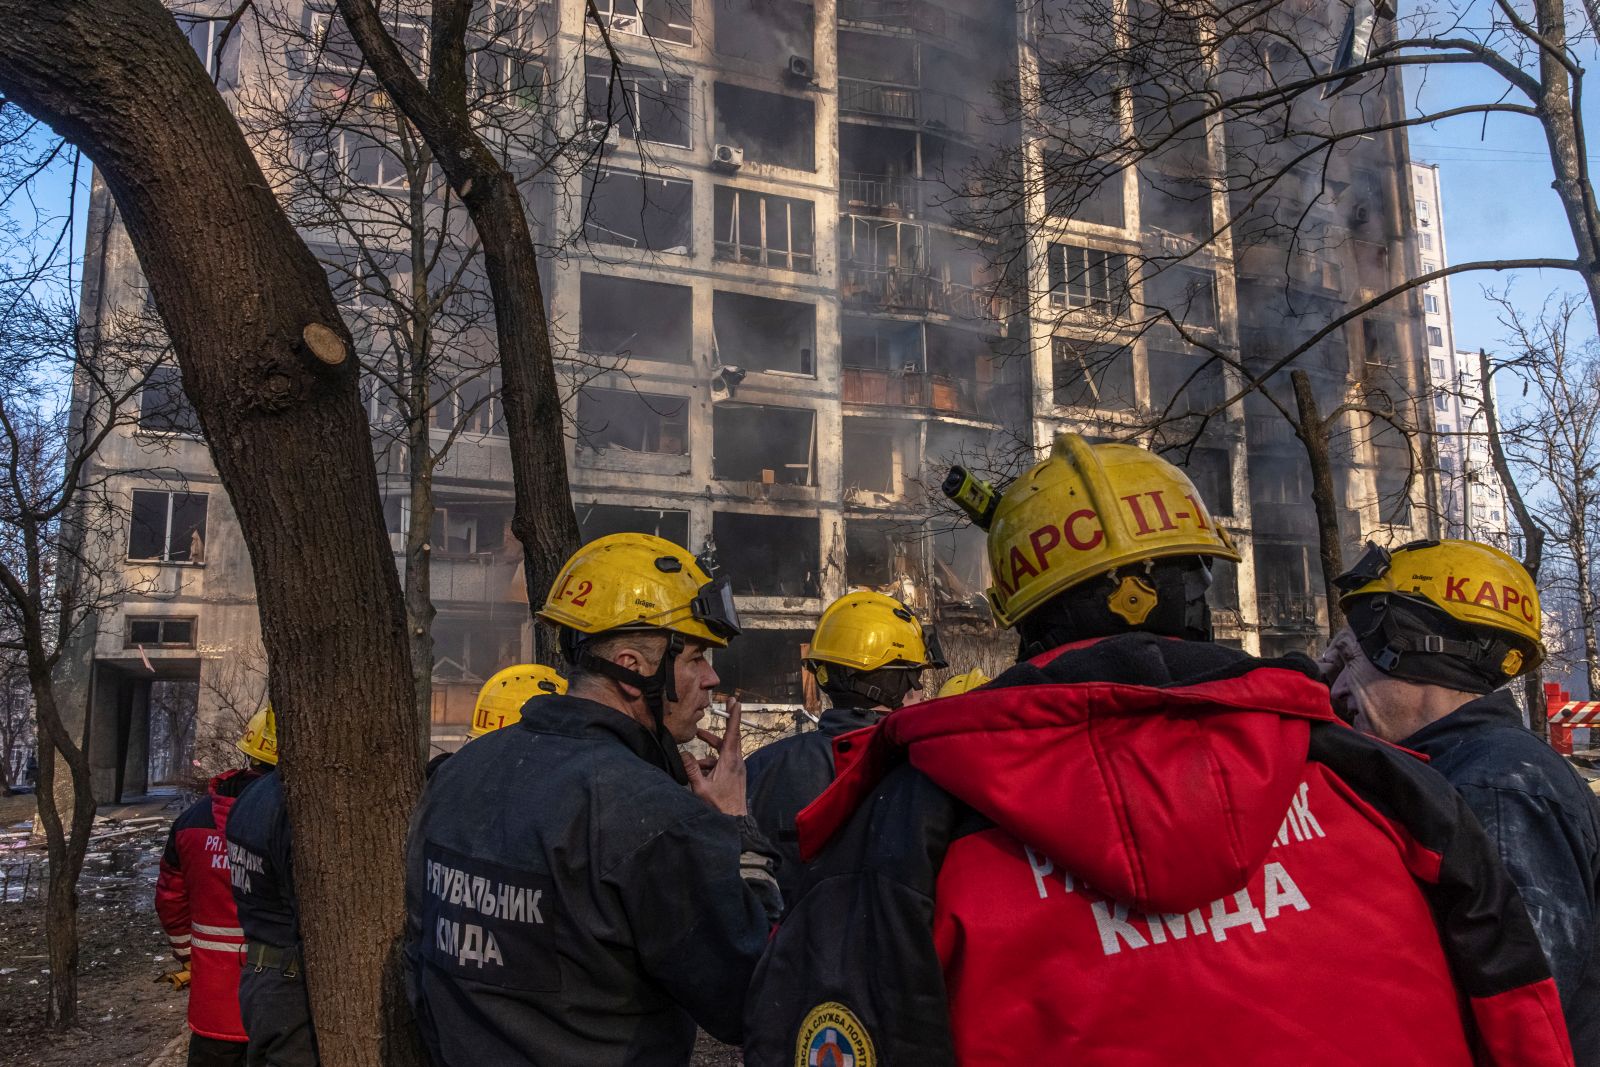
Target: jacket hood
1164, 788
224, 789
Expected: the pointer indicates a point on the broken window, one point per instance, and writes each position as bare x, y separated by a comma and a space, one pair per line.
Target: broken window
1211, 471
881, 344
469, 403
761, 333
167, 527
767, 127
1098, 200
878, 171
769, 555
1188, 295
1088, 277
336, 49
632, 421
871, 459
220, 59
960, 567
878, 58
885, 555
163, 405
1091, 375
764, 230
467, 529
601, 520
468, 650
763, 667
648, 106
665, 20
761, 443
1283, 591
1182, 383
159, 631
766, 32
359, 158
627, 316
1224, 592
623, 208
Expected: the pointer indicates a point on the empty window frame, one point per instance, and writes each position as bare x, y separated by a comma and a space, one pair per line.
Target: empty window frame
1183, 383
1087, 277
1091, 375
468, 529
763, 667
219, 57
504, 77
600, 520
470, 403
765, 32
664, 20
765, 230
642, 105
882, 344
632, 421
1083, 192
1211, 471
645, 320
770, 127
869, 457
335, 48
882, 554
356, 157
761, 333
167, 527
766, 444
159, 631
163, 405
623, 208
769, 555
1187, 295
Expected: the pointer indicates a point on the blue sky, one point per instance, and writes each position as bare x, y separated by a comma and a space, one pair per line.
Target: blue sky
1498, 203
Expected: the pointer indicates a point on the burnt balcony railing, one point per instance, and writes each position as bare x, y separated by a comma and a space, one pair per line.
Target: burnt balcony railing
1290, 611
994, 401
894, 289
879, 12
936, 110
876, 193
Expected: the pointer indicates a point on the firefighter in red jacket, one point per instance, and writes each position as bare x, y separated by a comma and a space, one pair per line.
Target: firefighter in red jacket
1138, 847
194, 900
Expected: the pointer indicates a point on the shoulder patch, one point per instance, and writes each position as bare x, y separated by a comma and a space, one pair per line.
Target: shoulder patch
832, 1036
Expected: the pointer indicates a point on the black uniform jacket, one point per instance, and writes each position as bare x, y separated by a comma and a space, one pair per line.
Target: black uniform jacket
1546, 826
258, 862
569, 903
790, 773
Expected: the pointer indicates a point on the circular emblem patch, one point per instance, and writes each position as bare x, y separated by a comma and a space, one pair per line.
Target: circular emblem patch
832, 1036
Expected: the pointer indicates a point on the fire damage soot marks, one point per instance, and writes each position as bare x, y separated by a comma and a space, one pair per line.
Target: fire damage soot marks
1275, 889
489, 923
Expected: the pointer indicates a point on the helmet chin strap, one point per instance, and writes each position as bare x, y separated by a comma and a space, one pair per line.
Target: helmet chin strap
657, 689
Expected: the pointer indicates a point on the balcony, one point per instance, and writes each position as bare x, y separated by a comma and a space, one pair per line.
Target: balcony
1290, 611
896, 290
887, 197
478, 578
906, 103
991, 401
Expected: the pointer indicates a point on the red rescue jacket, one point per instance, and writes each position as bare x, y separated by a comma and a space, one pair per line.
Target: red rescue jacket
194, 901
1204, 868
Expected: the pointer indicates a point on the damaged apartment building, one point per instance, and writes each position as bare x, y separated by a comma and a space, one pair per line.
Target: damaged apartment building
780, 328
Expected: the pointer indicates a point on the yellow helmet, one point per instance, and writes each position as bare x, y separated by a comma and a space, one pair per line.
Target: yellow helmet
955, 685
639, 581
260, 740
866, 631
1477, 585
1085, 511
502, 697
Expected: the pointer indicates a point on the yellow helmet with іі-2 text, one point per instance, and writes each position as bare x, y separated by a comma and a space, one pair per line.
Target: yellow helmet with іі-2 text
1090, 510
502, 697
955, 685
640, 581
260, 740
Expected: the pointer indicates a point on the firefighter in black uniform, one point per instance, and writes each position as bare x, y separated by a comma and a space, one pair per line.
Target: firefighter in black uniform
272, 987
868, 654
568, 900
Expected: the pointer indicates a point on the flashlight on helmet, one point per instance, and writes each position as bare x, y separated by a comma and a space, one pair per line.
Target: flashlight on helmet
972, 495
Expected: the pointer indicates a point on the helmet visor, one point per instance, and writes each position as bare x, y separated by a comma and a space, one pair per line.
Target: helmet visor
1373, 564
714, 609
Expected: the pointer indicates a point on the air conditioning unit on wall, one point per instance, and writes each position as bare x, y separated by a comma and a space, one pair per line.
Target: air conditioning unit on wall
727, 157
599, 131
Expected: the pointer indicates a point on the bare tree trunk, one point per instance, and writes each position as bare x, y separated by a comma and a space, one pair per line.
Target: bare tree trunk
1313, 433
1532, 533
266, 361
543, 520
1565, 139
419, 559
66, 844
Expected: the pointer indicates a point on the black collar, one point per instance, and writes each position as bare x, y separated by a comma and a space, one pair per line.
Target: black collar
564, 715
1496, 709
836, 721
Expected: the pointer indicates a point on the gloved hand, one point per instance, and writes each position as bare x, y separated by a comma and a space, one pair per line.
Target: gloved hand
179, 979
